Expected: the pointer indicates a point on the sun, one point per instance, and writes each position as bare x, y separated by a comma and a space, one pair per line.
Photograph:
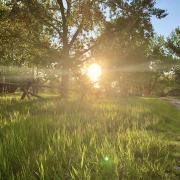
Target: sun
94, 72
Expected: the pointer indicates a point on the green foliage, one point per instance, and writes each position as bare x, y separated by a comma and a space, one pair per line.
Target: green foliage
128, 32
22, 37
127, 50
70, 27
118, 139
173, 42
116, 33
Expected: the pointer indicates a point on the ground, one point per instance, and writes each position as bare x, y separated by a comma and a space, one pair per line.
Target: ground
125, 138
173, 100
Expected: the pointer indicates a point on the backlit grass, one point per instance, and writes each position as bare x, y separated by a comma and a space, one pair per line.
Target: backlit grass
127, 138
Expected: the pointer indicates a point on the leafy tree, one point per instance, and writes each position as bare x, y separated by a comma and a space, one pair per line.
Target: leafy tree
22, 38
71, 26
129, 30
68, 30
173, 45
173, 42
126, 42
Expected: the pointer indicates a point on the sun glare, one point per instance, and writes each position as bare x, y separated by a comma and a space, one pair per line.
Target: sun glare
94, 72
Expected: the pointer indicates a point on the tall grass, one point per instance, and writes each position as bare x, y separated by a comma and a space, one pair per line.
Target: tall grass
57, 139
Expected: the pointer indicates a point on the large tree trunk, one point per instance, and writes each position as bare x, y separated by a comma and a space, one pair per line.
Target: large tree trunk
65, 83
65, 75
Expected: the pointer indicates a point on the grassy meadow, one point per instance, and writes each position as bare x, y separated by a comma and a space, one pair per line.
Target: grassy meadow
125, 138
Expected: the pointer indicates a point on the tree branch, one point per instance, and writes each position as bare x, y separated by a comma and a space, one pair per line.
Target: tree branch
79, 29
60, 2
64, 23
54, 27
69, 3
78, 55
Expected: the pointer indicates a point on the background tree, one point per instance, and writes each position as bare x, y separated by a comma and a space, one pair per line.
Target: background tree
66, 24
22, 38
117, 33
173, 42
71, 24
126, 41
173, 45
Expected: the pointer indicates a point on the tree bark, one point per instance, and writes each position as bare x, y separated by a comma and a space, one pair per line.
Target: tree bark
65, 75
66, 67
65, 85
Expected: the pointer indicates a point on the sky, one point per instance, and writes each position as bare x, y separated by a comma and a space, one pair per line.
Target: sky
166, 25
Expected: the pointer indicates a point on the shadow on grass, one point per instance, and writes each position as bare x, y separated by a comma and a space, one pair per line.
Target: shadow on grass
168, 115
168, 125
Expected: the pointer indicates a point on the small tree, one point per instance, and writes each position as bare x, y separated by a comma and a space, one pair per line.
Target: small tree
173, 45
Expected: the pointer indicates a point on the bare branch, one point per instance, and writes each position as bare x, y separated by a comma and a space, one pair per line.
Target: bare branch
69, 3
98, 41
79, 29
61, 5
64, 20
51, 25
78, 55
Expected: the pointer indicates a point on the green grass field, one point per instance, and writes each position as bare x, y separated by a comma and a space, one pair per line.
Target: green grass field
125, 138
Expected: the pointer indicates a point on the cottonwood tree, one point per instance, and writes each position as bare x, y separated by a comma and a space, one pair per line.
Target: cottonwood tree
72, 26
69, 25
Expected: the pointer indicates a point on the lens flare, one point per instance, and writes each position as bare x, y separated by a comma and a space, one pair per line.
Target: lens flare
94, 72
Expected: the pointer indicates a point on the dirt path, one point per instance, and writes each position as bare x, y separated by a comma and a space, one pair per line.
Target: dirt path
174, 101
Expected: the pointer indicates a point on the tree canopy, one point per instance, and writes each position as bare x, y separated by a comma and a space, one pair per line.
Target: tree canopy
117, 33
